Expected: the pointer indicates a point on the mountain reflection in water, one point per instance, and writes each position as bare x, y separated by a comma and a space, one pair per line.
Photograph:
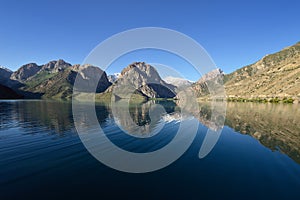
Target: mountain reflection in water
38, 141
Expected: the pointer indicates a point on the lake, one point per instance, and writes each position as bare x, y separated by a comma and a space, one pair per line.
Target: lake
256, 155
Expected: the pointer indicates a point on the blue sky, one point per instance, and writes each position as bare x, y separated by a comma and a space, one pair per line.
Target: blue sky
234, 33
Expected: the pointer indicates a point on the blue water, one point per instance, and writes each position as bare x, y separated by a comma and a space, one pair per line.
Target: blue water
42, 156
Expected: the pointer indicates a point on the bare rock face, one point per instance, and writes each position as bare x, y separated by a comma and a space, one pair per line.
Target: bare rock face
56, 66
214, 74
211, 84
142, 78
208, 84
25, 72
89, 77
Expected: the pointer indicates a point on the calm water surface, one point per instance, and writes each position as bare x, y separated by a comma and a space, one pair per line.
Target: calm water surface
257, 155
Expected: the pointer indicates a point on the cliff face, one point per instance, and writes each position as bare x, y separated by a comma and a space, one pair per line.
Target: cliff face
275, 75
143, 79
89, 75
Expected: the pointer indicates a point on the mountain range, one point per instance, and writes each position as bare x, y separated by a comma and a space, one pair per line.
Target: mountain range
275, 76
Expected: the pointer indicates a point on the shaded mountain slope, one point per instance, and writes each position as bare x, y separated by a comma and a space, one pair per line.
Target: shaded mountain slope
8, 93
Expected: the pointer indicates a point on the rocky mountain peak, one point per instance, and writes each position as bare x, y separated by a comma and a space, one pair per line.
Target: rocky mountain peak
146, 72
211, 75
25, 71
56, 65
145, 79
131, 66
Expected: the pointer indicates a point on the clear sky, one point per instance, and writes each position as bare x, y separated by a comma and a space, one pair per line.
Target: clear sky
234, 33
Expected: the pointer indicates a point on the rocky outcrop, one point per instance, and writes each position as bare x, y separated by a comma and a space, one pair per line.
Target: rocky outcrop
213, 75
88, 77
56, 66
209, 83
25, 72
141, 78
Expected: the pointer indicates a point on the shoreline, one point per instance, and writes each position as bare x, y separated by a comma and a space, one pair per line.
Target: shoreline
286, 100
